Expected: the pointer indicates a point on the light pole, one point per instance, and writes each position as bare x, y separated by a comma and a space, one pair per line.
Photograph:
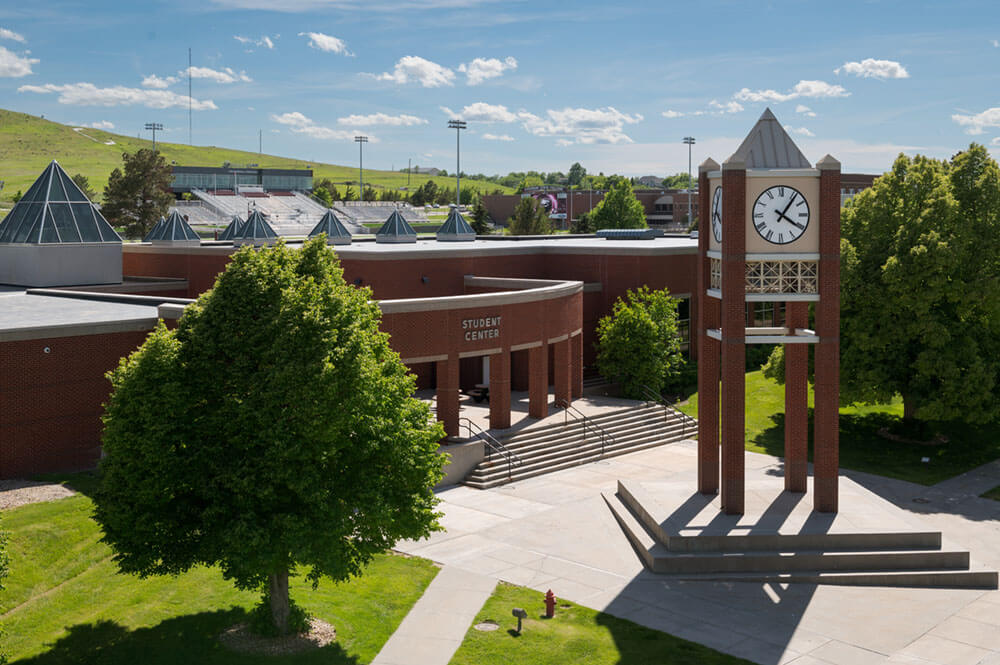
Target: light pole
361, 140
689, 140
458, 126
154, 126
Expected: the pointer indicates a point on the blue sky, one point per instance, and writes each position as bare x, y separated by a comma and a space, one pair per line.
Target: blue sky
542, 84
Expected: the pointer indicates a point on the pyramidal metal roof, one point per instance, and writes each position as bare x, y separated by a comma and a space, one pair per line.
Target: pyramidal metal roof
455, 228
256, 231
234, 227
173, 229
54, 210
396, 229
768, 146
336, 232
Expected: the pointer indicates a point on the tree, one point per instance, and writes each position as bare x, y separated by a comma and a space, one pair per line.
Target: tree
529, 219
329, 186
584, 223
84, 184
370, 194
349, 194
619, 209
638, 344
576, 174
139, 196
680, 181
274, 431
17, 196
480, 219
321, 194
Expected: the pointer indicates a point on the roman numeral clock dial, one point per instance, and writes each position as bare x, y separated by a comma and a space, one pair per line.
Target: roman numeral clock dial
717, 214
780, 214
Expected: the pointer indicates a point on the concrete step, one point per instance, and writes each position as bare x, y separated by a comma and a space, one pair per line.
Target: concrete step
941, 579
558, 428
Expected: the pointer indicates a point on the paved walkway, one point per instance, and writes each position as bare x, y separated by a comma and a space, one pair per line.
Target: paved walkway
435, 627
555, 532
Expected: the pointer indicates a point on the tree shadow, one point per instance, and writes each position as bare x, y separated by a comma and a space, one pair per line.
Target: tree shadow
83, 482
192, 638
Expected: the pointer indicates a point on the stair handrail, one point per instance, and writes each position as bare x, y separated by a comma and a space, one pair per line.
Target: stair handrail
492, 444
586, 422
669, 408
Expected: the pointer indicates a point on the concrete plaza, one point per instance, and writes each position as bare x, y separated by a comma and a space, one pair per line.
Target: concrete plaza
555, 531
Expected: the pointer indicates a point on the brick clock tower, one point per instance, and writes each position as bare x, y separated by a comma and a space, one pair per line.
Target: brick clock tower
770, 232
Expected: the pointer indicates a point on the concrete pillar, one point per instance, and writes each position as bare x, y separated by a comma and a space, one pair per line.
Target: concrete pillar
576, 374
500, 390
796, 402
707, 348
826, 415
448, 395
538, 381
563, 363
733, 333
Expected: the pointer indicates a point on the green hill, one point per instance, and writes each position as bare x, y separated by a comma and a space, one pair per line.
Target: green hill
29, 143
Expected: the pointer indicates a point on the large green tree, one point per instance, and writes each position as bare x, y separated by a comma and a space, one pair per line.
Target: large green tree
638, 344
619, 209
138, 194
274, 432
529, 219
920, 293
480, 218
576, 174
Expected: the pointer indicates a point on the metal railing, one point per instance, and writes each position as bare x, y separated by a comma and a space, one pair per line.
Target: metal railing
670, 409
586, 422
492, 445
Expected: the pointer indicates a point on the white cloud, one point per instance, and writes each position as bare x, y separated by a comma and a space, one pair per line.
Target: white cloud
498, 137
872, 68
264, 41
401, 120
581, 125
482, 69
88, 94
414, 68
672, 114
100, 124
976, 123
301, 124
728, 107
326, 43
482, 112
801, 131
995, 140
13, 65
10, 34
996, 43
226, 75
154, 81
814, 89
805, 110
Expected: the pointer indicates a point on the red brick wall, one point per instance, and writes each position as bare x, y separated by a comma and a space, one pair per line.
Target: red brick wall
52, 402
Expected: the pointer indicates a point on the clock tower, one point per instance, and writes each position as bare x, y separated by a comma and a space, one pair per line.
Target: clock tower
771, 233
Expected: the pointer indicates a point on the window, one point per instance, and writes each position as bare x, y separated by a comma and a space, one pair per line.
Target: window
684, 321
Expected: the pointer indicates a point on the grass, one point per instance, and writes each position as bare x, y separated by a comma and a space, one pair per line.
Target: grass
29, 143
575, 635
861, 448
65, 602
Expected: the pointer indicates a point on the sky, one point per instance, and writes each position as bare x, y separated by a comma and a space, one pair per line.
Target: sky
540, 84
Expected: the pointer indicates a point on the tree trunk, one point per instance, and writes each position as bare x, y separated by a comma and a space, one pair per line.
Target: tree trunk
909, 409
278, 595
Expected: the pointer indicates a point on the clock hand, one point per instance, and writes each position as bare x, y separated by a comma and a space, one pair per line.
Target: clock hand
790, 220
790, 202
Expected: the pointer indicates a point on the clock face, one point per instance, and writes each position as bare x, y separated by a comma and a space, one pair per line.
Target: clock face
780, 214
717, 214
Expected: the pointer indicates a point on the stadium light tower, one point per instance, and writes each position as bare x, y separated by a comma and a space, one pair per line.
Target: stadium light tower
458, 126
154, 127
361, 141
689, 140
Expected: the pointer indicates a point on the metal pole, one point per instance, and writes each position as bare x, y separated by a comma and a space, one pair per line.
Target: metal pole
361, 140
458, 126
190, 121
408, 161
689, 140
153, 126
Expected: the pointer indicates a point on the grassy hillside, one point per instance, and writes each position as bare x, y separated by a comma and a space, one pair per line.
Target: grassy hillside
28, 143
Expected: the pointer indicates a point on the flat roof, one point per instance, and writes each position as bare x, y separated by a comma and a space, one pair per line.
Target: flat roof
26, 316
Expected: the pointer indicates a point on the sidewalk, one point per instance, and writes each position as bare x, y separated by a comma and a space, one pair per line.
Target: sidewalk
435, 627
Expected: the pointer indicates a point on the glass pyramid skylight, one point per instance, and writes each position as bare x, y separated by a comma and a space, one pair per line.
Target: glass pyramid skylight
396, 229
334, 229
256, 231
54, 210
235, 228
456, 228
172, 229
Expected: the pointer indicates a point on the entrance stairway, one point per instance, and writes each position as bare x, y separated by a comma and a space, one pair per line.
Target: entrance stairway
577, 440
875, 556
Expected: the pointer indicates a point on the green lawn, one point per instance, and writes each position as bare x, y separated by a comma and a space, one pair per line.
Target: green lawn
65, 603
576, 635
28, 143
861, 448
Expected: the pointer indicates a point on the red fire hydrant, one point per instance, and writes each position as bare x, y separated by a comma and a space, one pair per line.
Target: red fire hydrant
550, 604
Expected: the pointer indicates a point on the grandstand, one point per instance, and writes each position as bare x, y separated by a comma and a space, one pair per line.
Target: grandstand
376, 212
289, 213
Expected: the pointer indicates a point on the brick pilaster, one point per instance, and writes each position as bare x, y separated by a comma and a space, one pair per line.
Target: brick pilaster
563, 364
447, 394
500, 390
707, 348
538, 381
796, 402
733, 334
576, 374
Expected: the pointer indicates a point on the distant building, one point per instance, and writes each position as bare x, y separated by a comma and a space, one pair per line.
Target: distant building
426, 170
650, 181
235, 179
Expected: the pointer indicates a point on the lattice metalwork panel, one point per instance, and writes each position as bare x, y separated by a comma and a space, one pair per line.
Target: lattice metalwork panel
782, 277
715, 273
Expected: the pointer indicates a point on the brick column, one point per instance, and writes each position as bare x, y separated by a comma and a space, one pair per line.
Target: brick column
576, 374
733, 333
500, 390
447, 394
538, 381
796, 401
826, 415
562, 364
707, 348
